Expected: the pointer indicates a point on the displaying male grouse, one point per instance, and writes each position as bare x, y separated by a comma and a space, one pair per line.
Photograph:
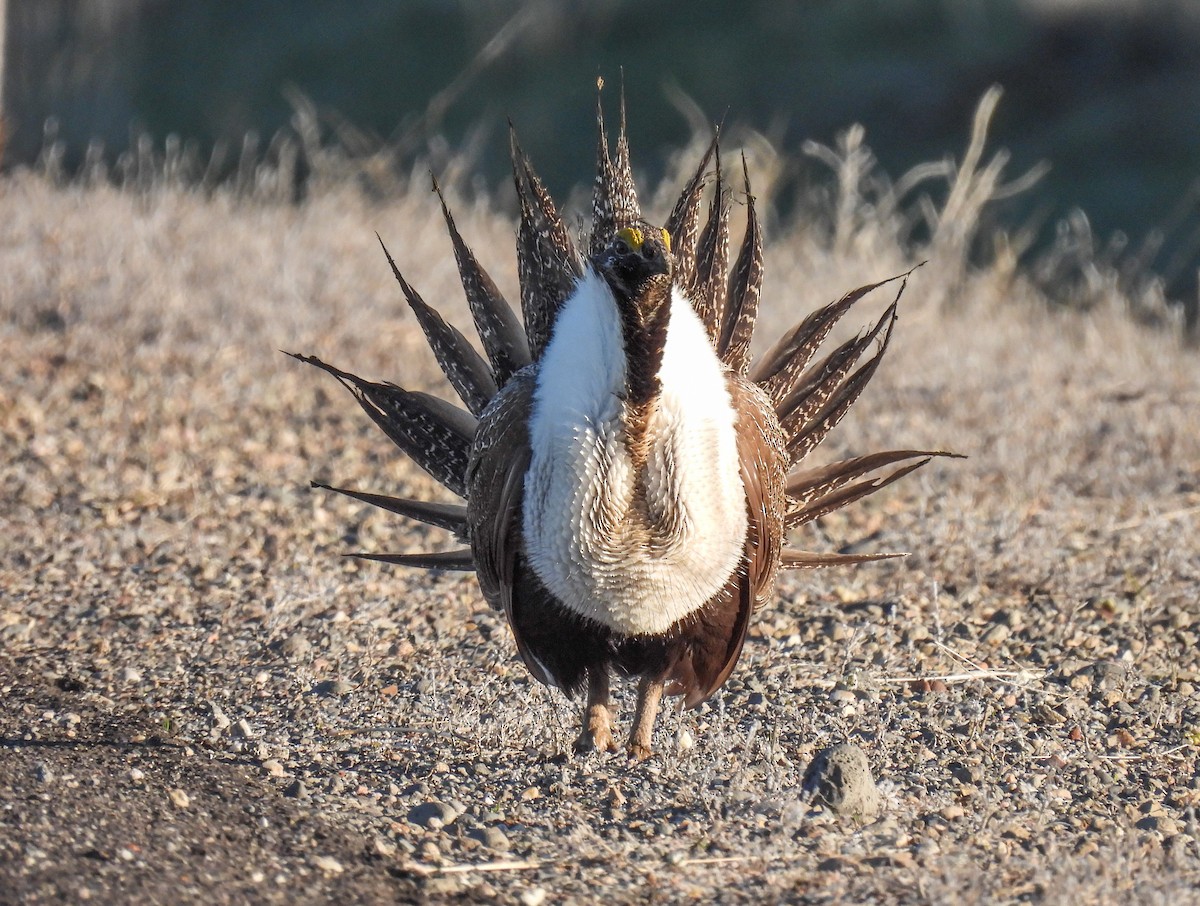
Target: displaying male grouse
629, 478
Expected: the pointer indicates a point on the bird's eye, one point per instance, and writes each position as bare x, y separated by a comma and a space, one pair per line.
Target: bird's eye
620, 247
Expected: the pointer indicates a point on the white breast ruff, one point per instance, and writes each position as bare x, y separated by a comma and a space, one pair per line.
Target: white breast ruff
582, 536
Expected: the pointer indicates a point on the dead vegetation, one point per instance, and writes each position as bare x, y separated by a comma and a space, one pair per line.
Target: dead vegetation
1025, 685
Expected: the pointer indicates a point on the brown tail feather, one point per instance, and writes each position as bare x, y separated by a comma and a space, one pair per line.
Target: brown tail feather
435, 434
741, 308
466, 370
498, 327
816, 386
781, 365
614, 199
708, 288
846, 495
548, 266
452, 516
807, 437
684, 222
452, 560
793, 559
626, 208
809, 484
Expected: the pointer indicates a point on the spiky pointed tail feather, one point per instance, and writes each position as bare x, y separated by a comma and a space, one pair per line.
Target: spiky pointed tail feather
499, 328
435, 434
548, 266
452, 516
469, 375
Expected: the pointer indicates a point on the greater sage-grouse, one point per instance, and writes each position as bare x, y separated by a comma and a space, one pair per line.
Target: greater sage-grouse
629, 475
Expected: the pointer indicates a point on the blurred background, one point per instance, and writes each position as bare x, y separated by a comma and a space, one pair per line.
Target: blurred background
1106, 91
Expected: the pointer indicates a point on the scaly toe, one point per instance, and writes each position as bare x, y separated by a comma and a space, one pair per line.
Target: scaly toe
639, 752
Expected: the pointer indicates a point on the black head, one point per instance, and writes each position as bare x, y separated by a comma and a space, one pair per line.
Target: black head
637, 264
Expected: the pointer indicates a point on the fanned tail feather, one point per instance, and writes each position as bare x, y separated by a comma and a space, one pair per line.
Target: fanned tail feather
684, 222
809, 484
804, 438
548, 266
450, 560
741, 307
845, 495
469, 375
499, 328
821, 383
779, 368
794, 559
435, 434
708, 286
451, 516
614, 199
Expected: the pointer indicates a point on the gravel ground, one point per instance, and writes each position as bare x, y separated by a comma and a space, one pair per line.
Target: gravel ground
206, 703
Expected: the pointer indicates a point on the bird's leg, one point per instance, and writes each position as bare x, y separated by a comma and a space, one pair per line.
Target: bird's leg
650, 690
597, 718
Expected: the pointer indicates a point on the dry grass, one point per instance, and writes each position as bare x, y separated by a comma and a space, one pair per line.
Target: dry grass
157, 449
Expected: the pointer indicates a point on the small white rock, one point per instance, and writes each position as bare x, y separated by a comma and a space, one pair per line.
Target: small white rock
328, 864
137, 775
534, 896
179, 798
684, 741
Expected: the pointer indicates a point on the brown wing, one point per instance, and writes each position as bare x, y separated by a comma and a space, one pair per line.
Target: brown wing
719, 640
495, 484
495, 492
763, 454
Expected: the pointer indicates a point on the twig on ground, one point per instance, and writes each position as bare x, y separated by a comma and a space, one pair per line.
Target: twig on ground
464, 868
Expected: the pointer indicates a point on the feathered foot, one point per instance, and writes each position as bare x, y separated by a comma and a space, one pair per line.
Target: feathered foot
596, 735
650, 691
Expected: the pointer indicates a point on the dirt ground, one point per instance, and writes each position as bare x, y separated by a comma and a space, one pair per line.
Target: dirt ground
205, 702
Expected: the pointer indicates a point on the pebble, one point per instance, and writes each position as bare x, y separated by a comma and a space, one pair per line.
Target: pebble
684, 741
220, 719
840, 778
179, 798
273, 767
44, 774
137, 775
494, 838
296, 790
295, 647
131, 675
534, 896
328, 864
433, 814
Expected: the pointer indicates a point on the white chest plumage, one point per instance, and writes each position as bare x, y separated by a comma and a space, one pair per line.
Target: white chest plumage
636, 568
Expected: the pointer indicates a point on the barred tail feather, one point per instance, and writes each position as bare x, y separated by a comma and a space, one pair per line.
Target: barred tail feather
846, 495
816, 386
548, 266
451, 516
435, 434
809, 484
805, 439
499, 328
684, 223
741, 309
794, 559
708, 287
450, 560
614, 199
466, 370
778, 370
